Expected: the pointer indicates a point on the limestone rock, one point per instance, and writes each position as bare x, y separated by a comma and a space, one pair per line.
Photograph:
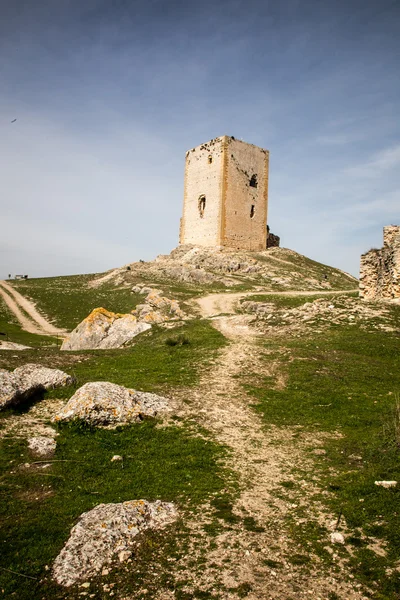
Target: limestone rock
13, 346
104, 533
337, 538
158, 309
104, 329
28, 380
386, 484
102, 403
37, 375
42, 446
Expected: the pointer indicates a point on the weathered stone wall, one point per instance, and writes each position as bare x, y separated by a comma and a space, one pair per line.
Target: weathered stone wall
203, 179
380, 268
225, 195
246, 196
273, 241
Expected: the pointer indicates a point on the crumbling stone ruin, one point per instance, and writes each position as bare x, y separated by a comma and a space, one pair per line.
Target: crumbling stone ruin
273, 240
380, 268
226, 195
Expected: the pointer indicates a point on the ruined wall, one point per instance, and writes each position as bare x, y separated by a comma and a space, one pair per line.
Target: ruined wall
380, 268
201, 220
246, 196
225, 195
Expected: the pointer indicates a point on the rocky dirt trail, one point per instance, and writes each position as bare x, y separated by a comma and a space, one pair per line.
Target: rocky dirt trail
256, 560
225, 303
26, 312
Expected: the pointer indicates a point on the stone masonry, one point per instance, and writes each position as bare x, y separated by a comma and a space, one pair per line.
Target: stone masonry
380, 269
226, 195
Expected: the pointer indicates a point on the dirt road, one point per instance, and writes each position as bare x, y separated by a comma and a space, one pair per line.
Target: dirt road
26, 313
256, 558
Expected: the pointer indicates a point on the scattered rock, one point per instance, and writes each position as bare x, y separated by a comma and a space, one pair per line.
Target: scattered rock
386, 484
49, 379
337, 538
116, 457
42, 446
26, 381
103, 403
13, 346
158, 309
104, 329
105, 532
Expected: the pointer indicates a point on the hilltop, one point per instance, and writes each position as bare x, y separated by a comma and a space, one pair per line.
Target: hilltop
283, 395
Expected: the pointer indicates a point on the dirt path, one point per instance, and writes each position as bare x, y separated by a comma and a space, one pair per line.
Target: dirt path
262, 459
26, 313
226, 303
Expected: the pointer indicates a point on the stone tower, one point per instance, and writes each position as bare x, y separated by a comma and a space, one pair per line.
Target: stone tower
225, 195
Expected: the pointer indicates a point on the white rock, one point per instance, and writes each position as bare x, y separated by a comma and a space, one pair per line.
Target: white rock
116, 457
386, 484
337, 538
105, 532
42, 446
104, 329
104, 403
28, 380
13, 346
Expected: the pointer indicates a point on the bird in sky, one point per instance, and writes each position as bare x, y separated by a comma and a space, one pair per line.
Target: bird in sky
13, 121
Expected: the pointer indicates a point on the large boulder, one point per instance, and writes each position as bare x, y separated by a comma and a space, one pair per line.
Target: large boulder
103, 403
105, 532
104, 329
159, 309
26, 381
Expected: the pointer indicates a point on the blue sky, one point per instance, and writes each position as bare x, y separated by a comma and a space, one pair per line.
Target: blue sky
108, 96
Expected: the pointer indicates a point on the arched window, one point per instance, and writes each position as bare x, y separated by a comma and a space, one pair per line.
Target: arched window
252, 211
209, 159
202, 205
253, 181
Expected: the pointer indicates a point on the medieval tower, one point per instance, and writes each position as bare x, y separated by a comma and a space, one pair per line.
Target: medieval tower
226, 195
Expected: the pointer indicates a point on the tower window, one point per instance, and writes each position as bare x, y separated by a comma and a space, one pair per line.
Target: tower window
252, 211
209, 159
253, 181
202, 205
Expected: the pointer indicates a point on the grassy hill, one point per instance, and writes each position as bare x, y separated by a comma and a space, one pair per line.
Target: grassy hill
323, 392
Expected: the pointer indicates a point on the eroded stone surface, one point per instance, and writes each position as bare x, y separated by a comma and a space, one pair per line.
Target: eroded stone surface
25, 381
105, 532
380, 268
42, 446
104, 329
158, 309
13, 346
102, 403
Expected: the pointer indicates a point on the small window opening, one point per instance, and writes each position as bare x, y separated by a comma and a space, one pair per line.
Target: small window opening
253, 181
252, 211
202, 205
209, 159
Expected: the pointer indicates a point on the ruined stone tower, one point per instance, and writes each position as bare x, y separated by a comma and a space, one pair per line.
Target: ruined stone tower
225, 195
380, 269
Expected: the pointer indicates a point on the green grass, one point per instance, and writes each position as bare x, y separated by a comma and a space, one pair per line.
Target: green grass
152, 364
38, 508
345, 382
68, 300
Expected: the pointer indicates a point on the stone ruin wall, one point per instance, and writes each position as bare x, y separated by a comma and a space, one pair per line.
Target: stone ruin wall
202, 178
245, 198
380, 268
